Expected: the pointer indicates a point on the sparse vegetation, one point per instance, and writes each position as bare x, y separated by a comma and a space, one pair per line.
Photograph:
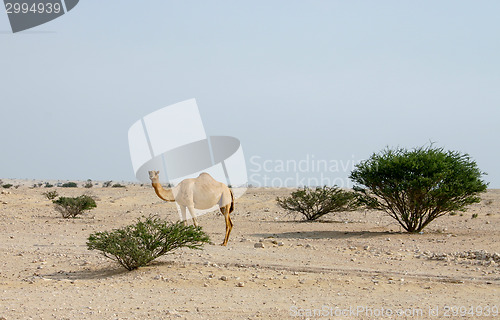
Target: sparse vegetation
315, 203
72, 207
88, 184
117, 185
51, 195
48, 185
107, 184
137, 245
417, 186
69, 185
7, 186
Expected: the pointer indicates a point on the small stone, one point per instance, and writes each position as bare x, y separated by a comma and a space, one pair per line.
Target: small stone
258, 245
223, 278
387, 239
241, 284
281, 244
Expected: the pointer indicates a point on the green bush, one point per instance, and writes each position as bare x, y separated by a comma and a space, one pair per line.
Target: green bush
7, 185
69, 185
137, 245
315, 203
107, 184
117, 185
71, 207
417, 186
51, 195
88, 184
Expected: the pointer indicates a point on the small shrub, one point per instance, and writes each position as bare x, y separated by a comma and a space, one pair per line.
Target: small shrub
48, 185
417, 186
71, 207
107, 184
117, 185
474, 215
51, 195
315, 203
69, 185
7, 186
88, 184
137, 245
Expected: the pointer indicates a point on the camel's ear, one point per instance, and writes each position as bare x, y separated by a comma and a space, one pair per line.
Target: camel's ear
157, 172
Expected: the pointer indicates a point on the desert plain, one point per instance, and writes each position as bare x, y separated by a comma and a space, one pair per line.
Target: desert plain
352, 265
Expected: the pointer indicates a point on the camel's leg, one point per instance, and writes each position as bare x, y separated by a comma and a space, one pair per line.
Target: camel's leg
183, 213
229, 223
192, 212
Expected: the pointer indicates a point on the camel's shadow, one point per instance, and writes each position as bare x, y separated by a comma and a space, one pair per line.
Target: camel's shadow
322, 234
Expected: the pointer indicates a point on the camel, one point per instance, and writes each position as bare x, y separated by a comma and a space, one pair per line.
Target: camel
202, 192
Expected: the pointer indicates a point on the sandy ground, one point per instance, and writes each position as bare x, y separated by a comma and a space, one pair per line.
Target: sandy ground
354, 265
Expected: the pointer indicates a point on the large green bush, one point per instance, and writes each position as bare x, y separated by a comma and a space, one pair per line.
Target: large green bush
71, 207
136, 245
417, 186
69, 185
315, 203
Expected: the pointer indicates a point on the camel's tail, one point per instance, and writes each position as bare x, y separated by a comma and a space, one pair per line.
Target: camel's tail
232, 201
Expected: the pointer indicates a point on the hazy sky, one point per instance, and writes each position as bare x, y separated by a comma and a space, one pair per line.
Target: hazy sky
327, 81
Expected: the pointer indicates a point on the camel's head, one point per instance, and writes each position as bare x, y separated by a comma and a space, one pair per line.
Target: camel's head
154, 175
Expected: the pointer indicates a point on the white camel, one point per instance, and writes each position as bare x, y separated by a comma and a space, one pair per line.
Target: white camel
202, 192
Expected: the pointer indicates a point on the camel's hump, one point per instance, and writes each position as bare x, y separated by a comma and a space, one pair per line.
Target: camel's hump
205, 177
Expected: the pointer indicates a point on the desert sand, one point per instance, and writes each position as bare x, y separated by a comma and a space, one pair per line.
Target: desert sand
356, 265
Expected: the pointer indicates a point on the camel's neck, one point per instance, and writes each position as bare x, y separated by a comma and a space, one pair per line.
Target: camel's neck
164, 194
